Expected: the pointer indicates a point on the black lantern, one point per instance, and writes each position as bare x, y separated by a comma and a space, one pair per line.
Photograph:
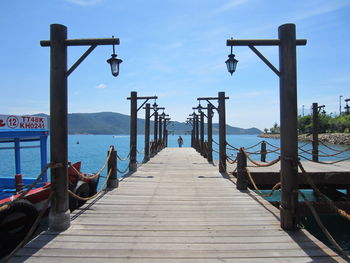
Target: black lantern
163, 115
200, 108
114, 62
155, 106
231, 63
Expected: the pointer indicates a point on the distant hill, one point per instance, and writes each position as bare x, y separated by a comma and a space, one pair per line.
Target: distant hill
116, 123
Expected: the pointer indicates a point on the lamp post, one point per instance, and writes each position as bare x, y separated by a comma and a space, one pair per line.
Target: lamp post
287, 43
222, 127
340, 104
133, 126
147, 131
59, 218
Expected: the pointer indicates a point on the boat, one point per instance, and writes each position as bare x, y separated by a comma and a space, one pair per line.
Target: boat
18, 216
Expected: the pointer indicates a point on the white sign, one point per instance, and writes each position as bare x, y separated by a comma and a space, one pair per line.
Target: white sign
21, 122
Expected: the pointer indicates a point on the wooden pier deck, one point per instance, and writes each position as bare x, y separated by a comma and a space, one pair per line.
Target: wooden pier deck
177, 208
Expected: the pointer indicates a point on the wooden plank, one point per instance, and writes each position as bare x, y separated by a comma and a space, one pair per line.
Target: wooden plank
176, 208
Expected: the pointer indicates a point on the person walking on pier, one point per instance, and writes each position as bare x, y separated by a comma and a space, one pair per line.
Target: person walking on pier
180, 141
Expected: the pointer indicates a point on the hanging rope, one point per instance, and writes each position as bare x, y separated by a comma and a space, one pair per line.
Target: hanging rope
326, 198
261, 164
123, 159
323, 228
273, 145
338, 161
4, 206
82, 176
335, 150
322, 155
276, 186
215, 142
95, 195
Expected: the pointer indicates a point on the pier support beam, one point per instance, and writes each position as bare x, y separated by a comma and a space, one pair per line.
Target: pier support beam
289, 134
197, 133
201, 143
210, 133
59, 213
155, 133
222, 132
133, 131
147, 131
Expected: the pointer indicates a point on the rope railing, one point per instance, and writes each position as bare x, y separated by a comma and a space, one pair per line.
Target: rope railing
323, 228
274, 146
215, 142
123, 159
261, 164
230, 160
6, 205
95, 195
329, 202
335, 150
321, 162
82, 176
322, 155
274, 188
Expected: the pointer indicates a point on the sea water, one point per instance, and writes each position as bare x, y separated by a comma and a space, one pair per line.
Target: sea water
92, 150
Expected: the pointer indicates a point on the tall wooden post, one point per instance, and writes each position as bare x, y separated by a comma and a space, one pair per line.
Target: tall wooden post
210, 133
192, 134
59, 213
201, 143
315, 132
164, 133
147, 131
288, 118
222, 133
113, 181
133, 131
155, 133
197, 133
160, 123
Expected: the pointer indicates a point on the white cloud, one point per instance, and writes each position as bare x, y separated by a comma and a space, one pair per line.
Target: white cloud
84, 2
229, 5
101, 86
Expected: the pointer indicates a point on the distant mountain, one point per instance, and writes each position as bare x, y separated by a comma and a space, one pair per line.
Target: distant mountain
116, 123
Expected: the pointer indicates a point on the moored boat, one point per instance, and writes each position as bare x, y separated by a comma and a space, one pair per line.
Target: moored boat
18, 211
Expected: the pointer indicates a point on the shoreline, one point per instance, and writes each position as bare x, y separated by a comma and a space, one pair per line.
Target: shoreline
333, 138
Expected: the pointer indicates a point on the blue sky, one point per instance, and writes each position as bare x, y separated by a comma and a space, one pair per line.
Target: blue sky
175, 49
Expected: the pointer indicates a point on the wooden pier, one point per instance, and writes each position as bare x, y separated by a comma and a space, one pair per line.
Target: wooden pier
176, 208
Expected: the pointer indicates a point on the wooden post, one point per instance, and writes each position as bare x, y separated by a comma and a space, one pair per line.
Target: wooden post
210, 133
160, 123
155, 138
164, 133
242, 180
315, 132
263, 151
147, 131
133, 131
59, 218
113, 181
166, 138
197, 133
201, 143
192, 134
222, 133
288, 118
